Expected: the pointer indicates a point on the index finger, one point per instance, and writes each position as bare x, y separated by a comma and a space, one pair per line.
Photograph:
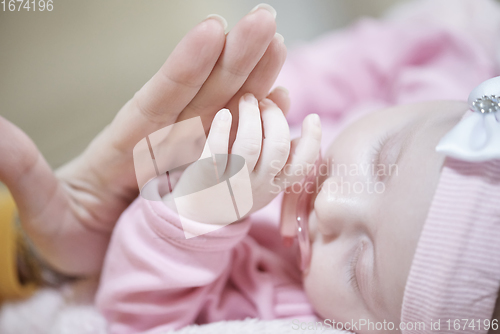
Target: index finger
159, 102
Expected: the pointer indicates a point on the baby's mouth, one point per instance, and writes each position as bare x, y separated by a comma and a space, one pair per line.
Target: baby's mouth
313, 226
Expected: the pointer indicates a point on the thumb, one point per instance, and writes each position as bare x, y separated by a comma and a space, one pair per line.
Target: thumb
24, 171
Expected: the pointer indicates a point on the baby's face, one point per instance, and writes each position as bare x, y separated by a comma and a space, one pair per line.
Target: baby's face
364, 228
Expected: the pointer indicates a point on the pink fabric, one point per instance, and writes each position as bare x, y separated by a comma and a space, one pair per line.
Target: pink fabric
376, 64
155, 280
455, 273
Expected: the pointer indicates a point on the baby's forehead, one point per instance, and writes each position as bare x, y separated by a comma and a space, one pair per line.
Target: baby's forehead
371, 119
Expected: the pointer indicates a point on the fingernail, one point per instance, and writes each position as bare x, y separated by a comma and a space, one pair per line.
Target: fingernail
223, 115
315, 119
283, 89
265, 6
250, 99
218, 18
279, 37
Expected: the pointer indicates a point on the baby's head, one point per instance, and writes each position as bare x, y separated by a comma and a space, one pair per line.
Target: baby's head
365, 226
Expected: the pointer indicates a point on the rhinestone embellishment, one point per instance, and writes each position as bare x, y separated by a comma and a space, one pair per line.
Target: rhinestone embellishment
487, 104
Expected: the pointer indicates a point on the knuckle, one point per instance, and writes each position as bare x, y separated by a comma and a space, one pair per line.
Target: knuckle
281, 146
255, 30
250, 147
188, 78
315, 134
151, 114
237, 69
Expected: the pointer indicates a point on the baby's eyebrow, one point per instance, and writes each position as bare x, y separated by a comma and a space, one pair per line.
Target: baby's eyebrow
394, 144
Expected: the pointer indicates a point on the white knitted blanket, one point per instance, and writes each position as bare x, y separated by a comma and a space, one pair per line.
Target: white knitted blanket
70, 311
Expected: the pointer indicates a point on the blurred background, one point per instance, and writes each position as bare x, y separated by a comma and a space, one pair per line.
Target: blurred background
64, 74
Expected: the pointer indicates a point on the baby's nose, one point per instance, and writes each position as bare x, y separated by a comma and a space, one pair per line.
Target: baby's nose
334, 209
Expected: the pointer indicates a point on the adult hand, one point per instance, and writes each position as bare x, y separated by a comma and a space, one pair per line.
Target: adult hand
69, 215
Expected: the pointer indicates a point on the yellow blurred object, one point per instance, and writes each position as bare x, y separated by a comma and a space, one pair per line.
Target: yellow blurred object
10, 286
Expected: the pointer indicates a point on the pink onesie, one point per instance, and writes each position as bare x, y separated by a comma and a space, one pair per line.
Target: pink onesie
155, 280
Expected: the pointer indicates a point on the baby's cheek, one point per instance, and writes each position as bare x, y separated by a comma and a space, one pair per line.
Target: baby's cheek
325, 284
312, 288
319, 285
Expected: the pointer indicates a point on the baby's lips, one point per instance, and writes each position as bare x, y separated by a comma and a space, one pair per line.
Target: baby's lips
287, 241
313, 226
288, 224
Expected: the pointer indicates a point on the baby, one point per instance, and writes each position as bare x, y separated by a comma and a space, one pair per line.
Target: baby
397, 231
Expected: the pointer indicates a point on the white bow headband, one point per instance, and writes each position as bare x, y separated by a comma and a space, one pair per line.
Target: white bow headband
477, 136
